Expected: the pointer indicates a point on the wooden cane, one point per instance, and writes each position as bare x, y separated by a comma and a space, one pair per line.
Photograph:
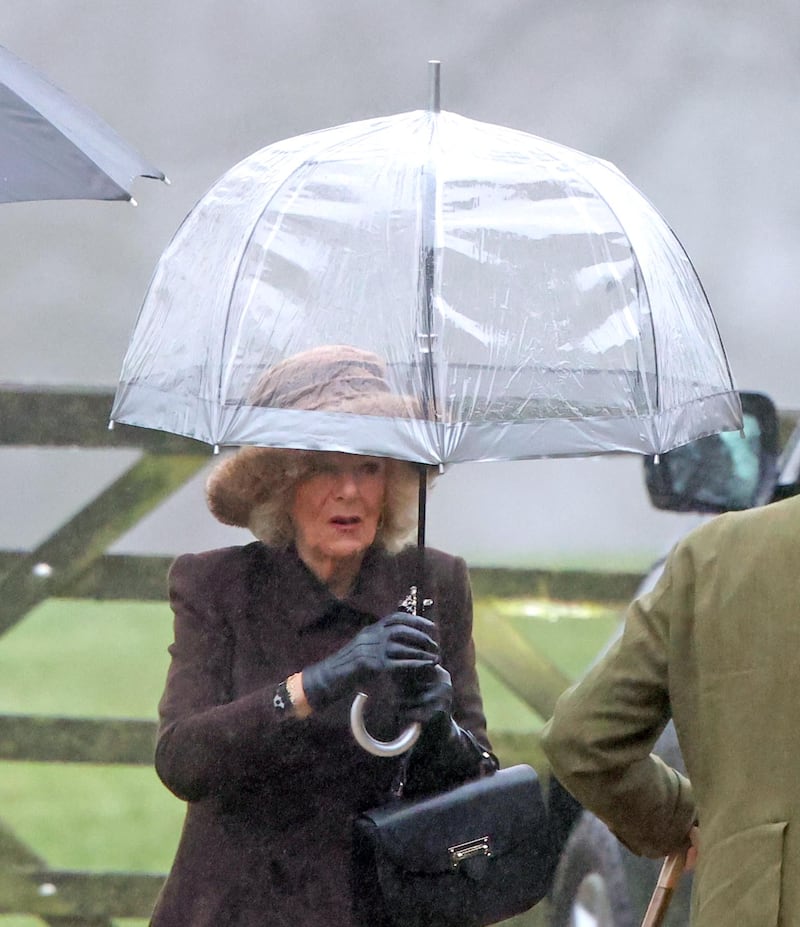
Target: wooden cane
668, 880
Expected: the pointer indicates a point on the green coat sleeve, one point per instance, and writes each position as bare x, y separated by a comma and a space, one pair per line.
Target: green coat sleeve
603, 729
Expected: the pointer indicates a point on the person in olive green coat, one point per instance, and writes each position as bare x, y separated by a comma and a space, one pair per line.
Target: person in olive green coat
715, 646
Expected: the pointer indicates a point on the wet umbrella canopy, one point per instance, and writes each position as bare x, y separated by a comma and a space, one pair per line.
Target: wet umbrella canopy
54, 148
525, 294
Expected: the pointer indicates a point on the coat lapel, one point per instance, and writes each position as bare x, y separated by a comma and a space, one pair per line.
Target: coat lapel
285, 598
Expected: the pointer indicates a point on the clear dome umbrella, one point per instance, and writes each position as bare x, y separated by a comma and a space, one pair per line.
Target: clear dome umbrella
527, 299
526, 294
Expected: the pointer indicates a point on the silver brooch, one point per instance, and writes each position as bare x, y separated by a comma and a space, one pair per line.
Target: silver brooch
409, 603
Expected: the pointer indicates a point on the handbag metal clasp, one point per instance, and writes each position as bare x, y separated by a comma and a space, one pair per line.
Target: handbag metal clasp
463, 851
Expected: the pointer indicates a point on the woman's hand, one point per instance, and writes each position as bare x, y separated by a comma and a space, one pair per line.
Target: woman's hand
425, 692
445, 754
397, 642
694, 846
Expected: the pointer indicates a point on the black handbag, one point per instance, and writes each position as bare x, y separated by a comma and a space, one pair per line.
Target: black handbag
473, 855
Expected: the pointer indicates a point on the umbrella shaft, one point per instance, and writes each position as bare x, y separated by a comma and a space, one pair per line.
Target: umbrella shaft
422, 505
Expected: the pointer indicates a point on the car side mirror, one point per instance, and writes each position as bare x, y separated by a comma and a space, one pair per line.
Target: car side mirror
722, 472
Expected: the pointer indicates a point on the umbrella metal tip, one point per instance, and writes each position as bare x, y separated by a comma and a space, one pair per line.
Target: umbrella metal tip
434, 93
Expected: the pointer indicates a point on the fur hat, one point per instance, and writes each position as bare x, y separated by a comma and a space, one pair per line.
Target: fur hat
329, 378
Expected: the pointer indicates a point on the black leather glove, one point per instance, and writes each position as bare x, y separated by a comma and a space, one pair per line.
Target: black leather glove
397, 642
445, 755
424, 693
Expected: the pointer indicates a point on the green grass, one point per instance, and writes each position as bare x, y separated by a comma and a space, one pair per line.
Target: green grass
98, 659
88, 659
105, 659
504, 711
570, 634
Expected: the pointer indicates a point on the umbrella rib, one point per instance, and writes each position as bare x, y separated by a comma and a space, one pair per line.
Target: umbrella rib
427, 278
306, 163
641, 283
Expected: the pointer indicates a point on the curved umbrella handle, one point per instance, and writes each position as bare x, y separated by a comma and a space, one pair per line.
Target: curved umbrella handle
395, 747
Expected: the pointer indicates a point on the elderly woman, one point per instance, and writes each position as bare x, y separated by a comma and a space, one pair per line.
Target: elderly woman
272, 641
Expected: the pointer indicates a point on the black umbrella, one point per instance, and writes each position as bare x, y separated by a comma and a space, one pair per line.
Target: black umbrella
55, 148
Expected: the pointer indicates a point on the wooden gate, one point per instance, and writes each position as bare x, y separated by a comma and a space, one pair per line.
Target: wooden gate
73, 563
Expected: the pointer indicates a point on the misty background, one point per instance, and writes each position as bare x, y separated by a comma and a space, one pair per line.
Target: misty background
694, 100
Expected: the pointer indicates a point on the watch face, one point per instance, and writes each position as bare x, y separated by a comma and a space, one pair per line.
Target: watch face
282, 700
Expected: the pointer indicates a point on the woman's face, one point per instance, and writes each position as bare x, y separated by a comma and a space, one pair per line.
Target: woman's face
335, 510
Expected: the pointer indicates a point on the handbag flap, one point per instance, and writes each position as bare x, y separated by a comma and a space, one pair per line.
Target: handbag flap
490, 816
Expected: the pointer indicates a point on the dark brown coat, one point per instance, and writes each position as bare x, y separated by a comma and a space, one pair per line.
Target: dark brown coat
266, 839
